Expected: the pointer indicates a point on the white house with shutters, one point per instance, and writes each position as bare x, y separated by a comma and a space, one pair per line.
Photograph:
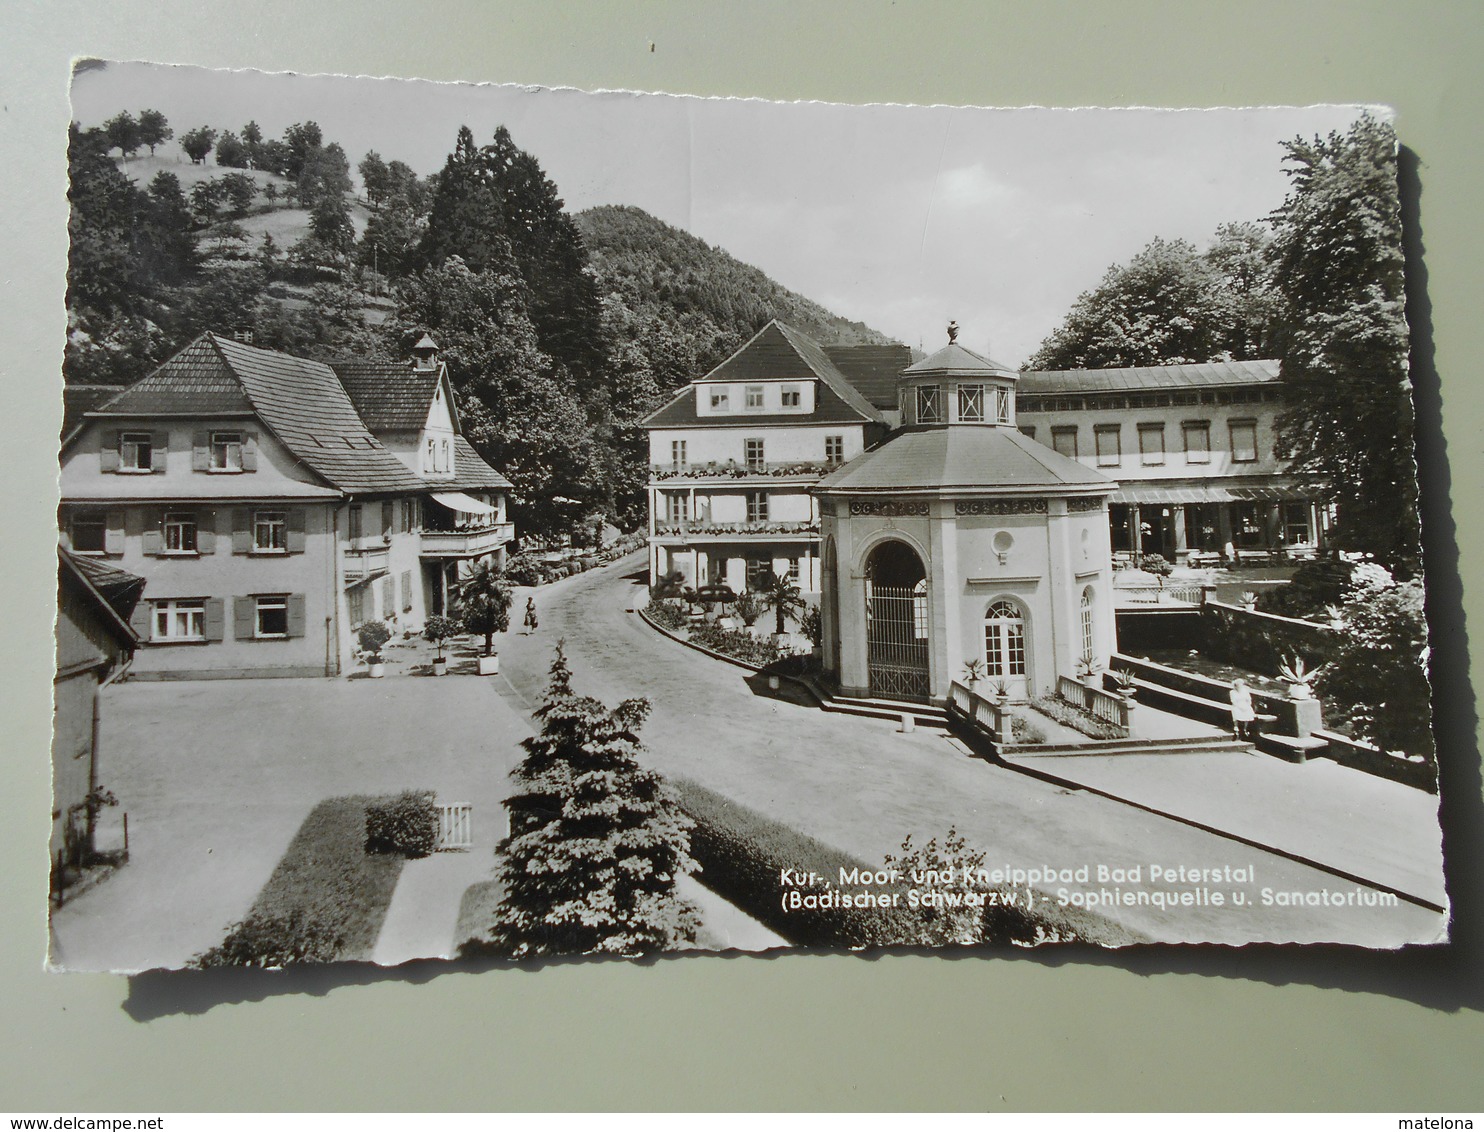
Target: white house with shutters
734, 454
273, 504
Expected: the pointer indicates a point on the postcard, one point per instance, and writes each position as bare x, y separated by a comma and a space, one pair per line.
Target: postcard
511, 522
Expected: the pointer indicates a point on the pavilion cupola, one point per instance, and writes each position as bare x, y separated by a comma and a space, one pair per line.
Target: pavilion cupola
956, 386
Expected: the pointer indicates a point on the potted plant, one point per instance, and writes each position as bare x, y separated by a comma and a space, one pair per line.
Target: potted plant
749, 607
437, 630
373, 635
787, 600
974, 671
999, 691
1299, 677
485, 601
1247, 600
1088, 669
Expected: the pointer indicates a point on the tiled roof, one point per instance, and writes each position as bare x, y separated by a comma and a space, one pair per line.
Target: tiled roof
196, 380
959, 458
117, 590
873, 370
389, 396
301, 401
80, 399
780, 353
959, 360
470, 469
1148, 377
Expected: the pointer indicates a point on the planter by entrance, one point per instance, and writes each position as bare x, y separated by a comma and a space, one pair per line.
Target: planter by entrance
489, 665
376, 669
440, 665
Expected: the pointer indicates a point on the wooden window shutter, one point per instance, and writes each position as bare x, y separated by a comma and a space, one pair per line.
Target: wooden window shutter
213, 623
294, 530
406, 590
140, 620
296, 615
113, 532
249, 452
108, 453
389, 596
241, 530
205, 532
200, 451
159, 443
244, 618
154, 533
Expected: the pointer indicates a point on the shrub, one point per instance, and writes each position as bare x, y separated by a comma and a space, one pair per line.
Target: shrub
373, 635
263, 940
1077, 719
749, 607
667, 614
1314, 586
812, 626
406, 824
437, 630
736, 643
522, 570
1155, 564
1025, 732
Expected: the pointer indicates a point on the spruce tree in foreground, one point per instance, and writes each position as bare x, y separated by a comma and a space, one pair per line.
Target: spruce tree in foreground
596, 841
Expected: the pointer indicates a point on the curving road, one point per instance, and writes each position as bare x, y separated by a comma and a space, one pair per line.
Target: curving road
861, 786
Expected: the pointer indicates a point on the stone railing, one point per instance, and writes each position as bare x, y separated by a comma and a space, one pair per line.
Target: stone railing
991, 716
1103, 705
1178, 594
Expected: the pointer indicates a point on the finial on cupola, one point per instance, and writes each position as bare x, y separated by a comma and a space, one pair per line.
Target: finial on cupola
952, 330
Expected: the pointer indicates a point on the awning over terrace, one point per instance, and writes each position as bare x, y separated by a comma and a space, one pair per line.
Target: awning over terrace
467, 504
1155, 493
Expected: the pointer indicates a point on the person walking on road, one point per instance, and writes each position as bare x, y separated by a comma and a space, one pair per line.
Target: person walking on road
530, 615
1244, 715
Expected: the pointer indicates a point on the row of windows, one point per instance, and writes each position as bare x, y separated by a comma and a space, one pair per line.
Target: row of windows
754, 398
1195, 440
141, 452
190, 533
187, 620
754, 452
976, 404
395, 516
439, 455
678, 507
1096, 401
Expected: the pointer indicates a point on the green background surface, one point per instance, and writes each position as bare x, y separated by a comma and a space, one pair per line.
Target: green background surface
1267, 1028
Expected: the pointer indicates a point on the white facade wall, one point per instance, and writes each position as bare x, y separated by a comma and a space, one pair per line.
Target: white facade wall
801, 443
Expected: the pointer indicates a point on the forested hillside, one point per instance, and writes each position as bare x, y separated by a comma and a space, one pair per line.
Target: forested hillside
705, 302
560, 333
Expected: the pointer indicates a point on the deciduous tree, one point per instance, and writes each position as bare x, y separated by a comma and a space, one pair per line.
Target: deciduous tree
154, 129
197, 143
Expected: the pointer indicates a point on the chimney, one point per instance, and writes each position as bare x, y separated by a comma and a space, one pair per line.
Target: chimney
425, 354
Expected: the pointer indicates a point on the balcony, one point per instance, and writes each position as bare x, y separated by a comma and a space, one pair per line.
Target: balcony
736, 470
689, 529
366, 558
466, 542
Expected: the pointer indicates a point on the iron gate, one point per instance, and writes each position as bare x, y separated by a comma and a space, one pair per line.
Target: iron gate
897, 642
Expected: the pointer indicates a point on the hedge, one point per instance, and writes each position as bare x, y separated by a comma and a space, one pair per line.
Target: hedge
742, 854
406, 824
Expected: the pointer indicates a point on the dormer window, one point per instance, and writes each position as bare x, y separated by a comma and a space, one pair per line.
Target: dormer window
929, 405
971, 404
791, 396
754, 397
720, 402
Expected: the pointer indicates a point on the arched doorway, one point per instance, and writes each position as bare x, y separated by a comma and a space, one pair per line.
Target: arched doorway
1004, 647
897, 623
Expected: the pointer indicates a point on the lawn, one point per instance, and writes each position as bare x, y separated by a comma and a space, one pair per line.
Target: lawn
327, 878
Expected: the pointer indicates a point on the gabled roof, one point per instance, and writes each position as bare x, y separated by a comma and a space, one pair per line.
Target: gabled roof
1149, 377
780, 353
301, 401
949, 459
958, 361
470, 470
873, 370
113, 592
389, 396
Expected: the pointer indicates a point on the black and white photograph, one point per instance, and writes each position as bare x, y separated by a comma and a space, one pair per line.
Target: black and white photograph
502, 522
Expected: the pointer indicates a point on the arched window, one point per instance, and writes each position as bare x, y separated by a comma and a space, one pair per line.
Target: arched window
920, 610
1004, 640
1086, 613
